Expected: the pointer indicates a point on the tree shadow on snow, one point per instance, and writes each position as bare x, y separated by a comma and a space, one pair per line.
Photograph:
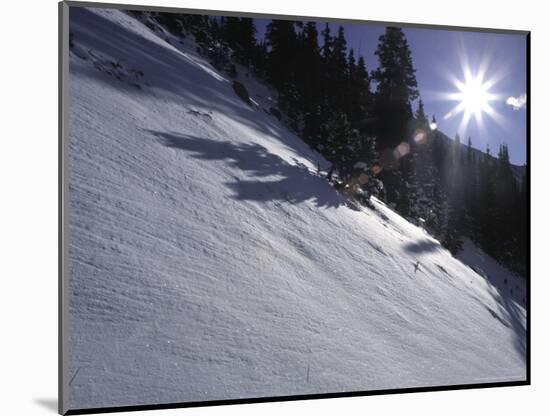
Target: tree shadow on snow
422, 246
169, 72
508, 313
512, 316
508, 291
295, 182
507, 294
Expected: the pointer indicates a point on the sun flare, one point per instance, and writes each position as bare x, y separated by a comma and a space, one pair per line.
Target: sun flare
473, 96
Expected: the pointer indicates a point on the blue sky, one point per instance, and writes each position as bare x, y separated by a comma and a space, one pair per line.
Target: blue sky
440, 55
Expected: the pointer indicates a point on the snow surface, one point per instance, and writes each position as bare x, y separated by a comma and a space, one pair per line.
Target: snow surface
209, 260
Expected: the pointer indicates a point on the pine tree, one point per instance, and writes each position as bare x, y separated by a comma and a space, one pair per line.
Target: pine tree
247, 40
231, 30
351, 65
361, 113
485, 225
281, 41
171, 22
327, 43
420, 115
362, 73
240, 35
339, 48
507, 195
471, 190
407, 203
309, 80
426, 175
342, 144
326, 54
396, 87
453, 208
338, 68
523, 224
259, 59
350, 93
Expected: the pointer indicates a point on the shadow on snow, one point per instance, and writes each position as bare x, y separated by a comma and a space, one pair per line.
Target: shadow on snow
422, 246
296, 183
510, 314
170, 71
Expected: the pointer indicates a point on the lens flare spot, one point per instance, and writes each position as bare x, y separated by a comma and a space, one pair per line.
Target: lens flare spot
420, 136
390, 157
402, 150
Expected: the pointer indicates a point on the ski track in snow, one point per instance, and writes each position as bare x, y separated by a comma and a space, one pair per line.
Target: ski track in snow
209, 260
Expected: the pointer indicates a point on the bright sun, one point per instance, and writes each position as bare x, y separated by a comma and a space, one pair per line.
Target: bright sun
473, 97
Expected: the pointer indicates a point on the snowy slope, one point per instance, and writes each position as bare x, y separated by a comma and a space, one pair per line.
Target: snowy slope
210, 261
